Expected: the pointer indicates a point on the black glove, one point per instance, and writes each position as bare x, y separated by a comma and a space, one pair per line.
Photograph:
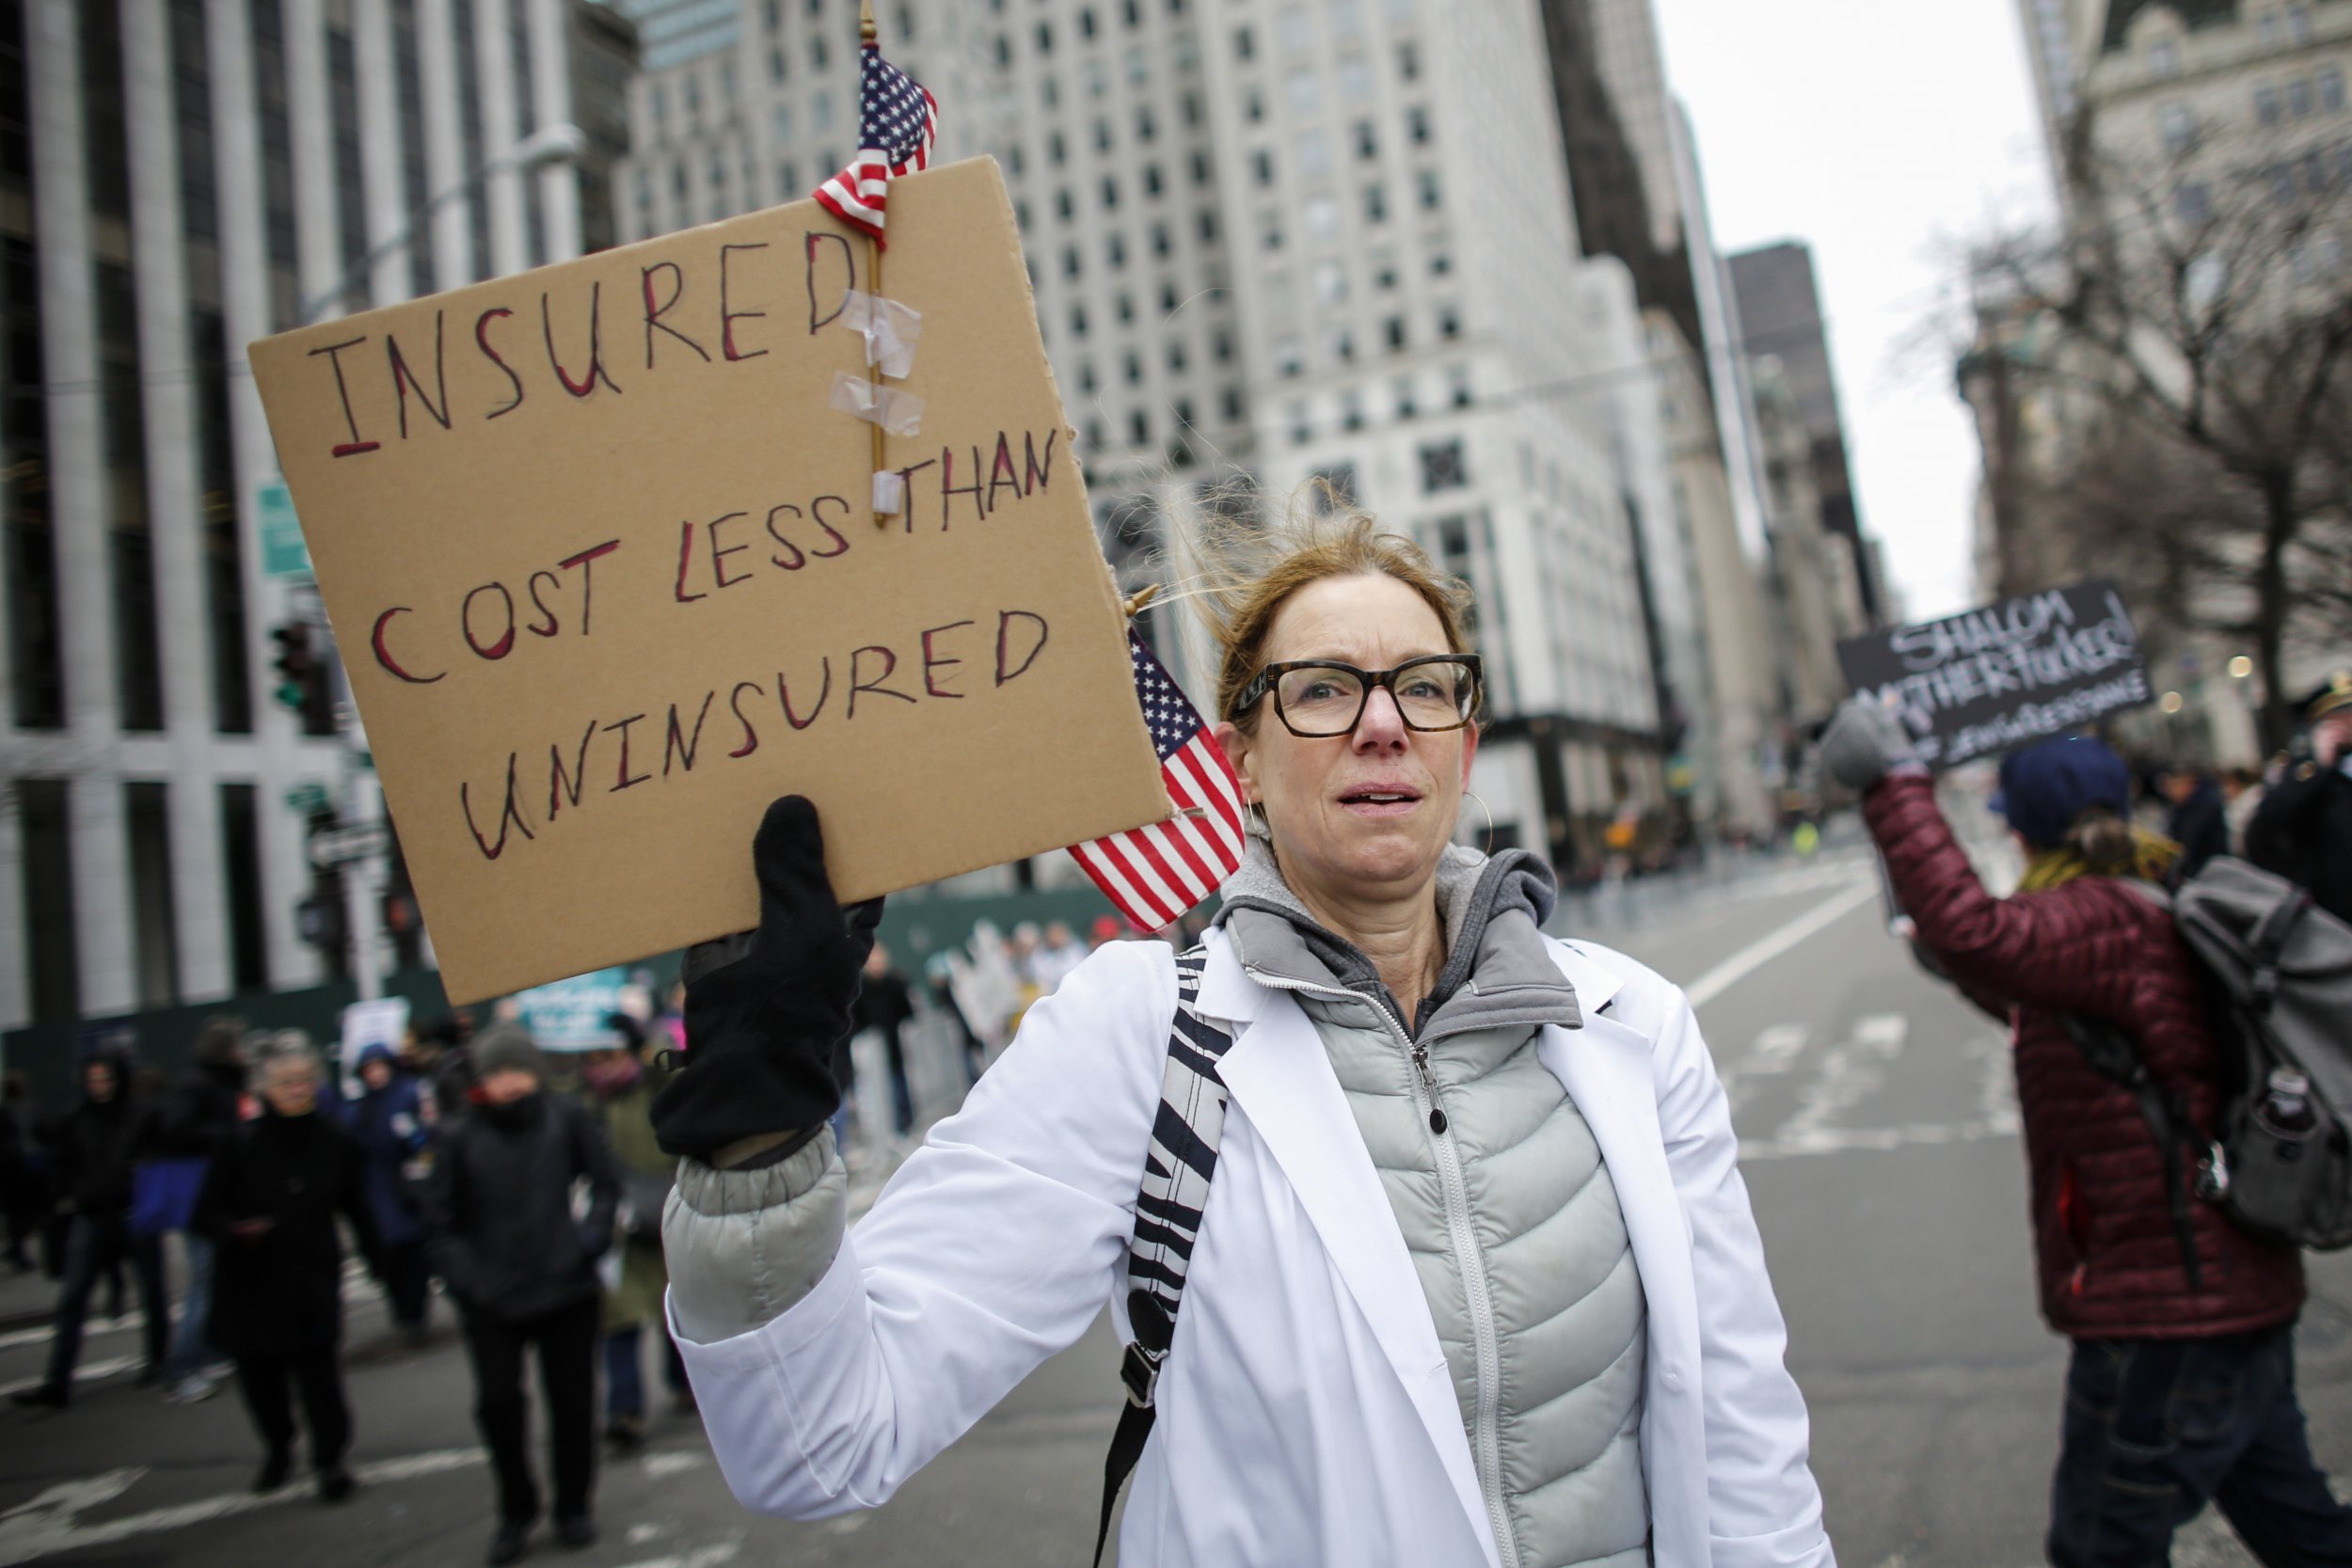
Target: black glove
760, 1027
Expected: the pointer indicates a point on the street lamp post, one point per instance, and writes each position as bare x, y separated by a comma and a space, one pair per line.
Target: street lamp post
363, 878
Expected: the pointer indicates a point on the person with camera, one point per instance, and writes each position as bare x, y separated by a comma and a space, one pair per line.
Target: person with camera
2180, 1389
1466, 1270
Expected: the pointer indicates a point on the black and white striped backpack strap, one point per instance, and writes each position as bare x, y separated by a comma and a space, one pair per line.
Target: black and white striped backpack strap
1168, 1204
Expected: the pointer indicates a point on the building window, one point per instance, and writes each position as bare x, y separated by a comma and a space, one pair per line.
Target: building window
1297, 32
1356, 79
1394, 332
1077, 321
1342, 347
1139, 428
1302, 430
1442, 467
1176, 355
1062, 207
1376, 204
2299, 23
1146, 128
1449, 321
1056, 149
1306, 91
1101, 135
1352, 413
1085, 23
2331, 89
1152, 180
2179, 125
1245, 44
1231, 403
1044, 37
52, 961
1133, 365
1273, 233
1115, 249
1409, 61
1167, 299
1126, 307
1208, 227
1367, 143
1322, 219
1261, 167
1253, 105
1314, 154
1222, 346
1458, 386
1331, 282
1110, 191
1333, 487
2266, 104
1192, 108
154, 934
1290, 357
2299, 98
1071, 263
1401, 394
240, 859
1416, 124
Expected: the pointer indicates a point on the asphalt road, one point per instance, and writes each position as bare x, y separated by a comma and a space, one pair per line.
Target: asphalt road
1881, 1148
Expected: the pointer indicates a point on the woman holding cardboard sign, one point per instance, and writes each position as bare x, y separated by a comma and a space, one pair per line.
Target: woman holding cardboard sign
1469, 1271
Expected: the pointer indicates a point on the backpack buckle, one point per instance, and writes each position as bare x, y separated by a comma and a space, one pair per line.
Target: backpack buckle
1139, 1370
2212, 1174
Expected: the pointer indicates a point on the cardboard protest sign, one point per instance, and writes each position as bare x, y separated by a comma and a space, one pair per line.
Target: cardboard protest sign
596, 543
2005, 674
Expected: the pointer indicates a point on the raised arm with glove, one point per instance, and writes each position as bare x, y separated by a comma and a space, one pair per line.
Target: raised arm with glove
762, 1200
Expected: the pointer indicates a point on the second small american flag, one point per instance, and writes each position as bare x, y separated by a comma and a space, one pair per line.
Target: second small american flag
1154, 874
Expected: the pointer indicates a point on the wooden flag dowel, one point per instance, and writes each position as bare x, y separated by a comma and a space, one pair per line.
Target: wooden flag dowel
866, 31
873, 372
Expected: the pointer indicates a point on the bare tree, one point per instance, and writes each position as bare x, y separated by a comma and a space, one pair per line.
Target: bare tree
2196, 318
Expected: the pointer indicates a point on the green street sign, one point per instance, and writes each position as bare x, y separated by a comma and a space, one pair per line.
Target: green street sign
283, 553
306, 797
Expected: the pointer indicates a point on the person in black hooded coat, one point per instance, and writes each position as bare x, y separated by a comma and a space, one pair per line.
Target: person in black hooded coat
270, 1205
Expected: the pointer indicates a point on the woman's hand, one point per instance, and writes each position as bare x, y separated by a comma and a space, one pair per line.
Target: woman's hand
760, 1027
1863, 744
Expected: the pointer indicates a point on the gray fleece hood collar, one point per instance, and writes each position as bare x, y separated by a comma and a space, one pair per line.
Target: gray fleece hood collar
1497, 970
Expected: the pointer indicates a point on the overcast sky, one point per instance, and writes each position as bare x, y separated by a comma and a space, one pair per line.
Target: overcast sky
1882, 133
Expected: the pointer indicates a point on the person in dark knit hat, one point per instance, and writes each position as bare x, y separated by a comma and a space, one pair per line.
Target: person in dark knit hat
524, 1272
2302, 830
2165, 1299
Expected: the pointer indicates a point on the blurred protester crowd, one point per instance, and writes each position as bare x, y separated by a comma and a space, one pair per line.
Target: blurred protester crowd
522, 1187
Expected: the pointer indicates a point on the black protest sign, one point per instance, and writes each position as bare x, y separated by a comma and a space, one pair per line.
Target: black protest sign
2005, 674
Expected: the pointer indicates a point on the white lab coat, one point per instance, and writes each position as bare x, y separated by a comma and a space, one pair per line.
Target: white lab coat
1306, 1413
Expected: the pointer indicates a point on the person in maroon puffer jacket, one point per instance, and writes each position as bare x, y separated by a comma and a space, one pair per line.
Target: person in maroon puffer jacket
2180, 1391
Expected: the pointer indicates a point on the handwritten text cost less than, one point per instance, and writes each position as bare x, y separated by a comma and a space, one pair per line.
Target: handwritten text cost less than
386, 393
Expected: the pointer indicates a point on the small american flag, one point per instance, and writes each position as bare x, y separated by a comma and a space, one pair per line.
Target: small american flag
897, 119
1157, 872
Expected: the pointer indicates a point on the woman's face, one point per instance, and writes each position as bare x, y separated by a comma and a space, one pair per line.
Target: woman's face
1333, 838
291, 1088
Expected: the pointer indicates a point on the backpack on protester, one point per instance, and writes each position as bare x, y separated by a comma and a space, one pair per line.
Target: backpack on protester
2278, 972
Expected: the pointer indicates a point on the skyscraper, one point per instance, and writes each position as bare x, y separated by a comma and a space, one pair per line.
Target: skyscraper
177, 179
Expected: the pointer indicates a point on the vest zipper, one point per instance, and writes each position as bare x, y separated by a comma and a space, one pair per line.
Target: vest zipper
1486, 1434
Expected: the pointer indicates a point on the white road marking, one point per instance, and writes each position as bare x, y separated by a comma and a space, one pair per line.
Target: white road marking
88, 1372
669, 1462
91, 1330
701, 1557
1729, 973
1850, 1073
47, 1525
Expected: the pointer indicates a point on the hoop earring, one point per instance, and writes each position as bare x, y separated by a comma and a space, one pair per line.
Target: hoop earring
1489, 849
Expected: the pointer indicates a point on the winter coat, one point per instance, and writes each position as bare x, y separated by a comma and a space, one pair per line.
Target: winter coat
92, 1149
201, 1115
388, 1124
281, 1291
499, 1207
2199, 828
645, 1173
2108, 1256
2302, 830
1307, 1414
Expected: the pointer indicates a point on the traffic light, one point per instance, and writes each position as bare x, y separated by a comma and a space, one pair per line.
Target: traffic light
296, 663
319, 919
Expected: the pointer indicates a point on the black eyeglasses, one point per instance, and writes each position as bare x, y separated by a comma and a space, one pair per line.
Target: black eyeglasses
1317, 699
